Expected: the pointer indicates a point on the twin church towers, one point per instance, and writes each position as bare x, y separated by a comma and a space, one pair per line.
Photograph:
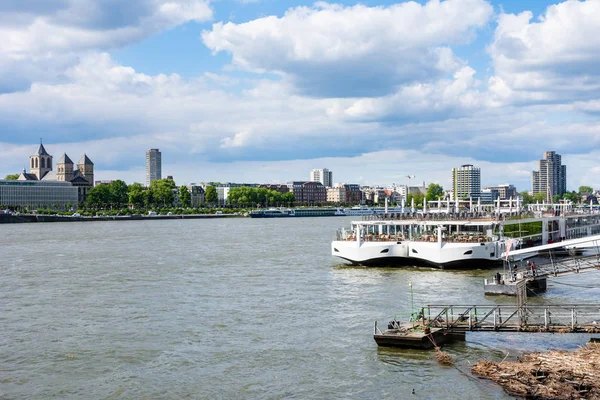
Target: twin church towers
40, 167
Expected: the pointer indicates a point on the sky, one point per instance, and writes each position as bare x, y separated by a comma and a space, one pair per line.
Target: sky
263, 91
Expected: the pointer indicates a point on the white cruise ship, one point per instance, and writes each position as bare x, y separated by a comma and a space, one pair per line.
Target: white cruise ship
461, 240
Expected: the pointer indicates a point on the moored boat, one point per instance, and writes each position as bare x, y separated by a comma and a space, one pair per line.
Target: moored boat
455, 240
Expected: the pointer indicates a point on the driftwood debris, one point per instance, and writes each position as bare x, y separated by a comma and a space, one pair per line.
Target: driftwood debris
552, 375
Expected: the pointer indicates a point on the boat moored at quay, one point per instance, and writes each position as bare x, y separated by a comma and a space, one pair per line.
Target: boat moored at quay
297, 212
463, 239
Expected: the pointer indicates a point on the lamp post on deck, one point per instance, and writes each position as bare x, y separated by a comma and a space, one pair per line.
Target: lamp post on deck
408, 187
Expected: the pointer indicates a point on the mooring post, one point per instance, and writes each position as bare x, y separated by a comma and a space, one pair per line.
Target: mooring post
572, 319
546, 318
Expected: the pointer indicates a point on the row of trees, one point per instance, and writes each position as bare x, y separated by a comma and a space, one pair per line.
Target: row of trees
118, 194
574, 196
246, 196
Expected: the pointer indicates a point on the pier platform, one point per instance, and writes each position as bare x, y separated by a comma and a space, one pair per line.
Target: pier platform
436, 325
409, 336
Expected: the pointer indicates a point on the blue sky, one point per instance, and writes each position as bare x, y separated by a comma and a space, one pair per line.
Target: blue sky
265, 90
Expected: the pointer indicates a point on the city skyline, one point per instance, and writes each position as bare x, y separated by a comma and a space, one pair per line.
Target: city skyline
230, 94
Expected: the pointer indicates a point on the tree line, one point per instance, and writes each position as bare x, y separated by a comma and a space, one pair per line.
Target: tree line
261, 197
118, 194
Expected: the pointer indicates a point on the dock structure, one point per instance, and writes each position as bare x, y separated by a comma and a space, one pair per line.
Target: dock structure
438, 324
520, 275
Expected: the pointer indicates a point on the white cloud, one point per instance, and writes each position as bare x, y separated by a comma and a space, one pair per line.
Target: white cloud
39, 42
551, 60
441, 99
336, 51
240, 139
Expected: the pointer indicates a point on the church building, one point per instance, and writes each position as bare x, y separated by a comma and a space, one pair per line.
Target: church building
41, 169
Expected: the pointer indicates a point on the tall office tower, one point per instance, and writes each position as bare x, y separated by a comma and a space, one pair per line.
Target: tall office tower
153, 166
551, 176
466, 181
324, 176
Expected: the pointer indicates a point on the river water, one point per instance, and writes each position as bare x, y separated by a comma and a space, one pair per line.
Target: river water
229, 308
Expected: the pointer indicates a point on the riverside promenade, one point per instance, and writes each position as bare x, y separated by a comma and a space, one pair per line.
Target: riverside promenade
27, 218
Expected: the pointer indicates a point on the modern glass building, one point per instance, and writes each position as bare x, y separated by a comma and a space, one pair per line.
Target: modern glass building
153, 166
37, 194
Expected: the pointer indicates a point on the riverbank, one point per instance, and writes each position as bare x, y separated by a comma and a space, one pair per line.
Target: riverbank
552, 375
28, 218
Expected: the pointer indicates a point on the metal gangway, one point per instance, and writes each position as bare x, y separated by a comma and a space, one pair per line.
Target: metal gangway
561, 318
558, 265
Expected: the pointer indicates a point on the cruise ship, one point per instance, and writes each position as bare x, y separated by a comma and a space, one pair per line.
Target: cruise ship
460, 239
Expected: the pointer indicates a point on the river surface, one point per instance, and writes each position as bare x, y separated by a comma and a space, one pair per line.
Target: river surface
229, 308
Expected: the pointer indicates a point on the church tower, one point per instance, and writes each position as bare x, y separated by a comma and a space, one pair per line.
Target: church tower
40, 163
86, 169
64, 169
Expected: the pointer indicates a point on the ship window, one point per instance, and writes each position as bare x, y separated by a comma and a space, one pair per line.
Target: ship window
482, 244
414, 251
385, 250
468, 252
492, 254
336, 250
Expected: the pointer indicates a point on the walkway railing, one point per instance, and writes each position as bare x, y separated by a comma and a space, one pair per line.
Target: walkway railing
512, 318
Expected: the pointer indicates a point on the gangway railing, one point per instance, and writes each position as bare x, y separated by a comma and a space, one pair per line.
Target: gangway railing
512, 318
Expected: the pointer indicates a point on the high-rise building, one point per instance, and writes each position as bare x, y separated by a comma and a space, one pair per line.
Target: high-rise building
466, 181
324, 176
505, 191
153, 166
551, 176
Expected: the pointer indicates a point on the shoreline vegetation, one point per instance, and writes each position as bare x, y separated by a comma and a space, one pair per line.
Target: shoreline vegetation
552, 375
27, 218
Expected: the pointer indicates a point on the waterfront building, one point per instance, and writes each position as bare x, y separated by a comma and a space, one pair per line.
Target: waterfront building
197, 195
35, 194
505, 191
308, 192
153, 166
551, 176
41, 169
489, 195
466, 181
373, 195
324, 176
335, 194
344, 193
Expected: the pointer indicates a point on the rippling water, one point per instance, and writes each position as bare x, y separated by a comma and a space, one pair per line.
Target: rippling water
230, 308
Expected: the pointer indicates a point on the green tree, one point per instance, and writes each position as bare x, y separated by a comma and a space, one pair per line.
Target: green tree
556, 198
119, 193
210, 195
573, 196
162, 192
586, 190
539, 197
12, 177
527, 198
136, 194
99, 196
185, 197
289, 199
434, 192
